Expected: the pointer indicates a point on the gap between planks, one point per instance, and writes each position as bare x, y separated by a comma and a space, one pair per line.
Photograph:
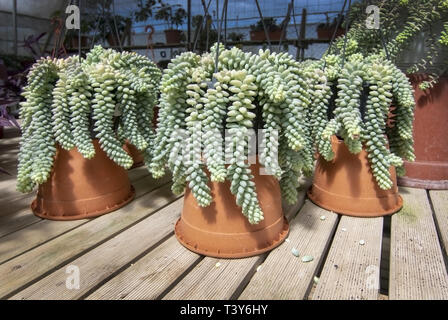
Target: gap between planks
283, 275
352, 268
43, 231
417, 268
161, 270
17, 215
215, 278
110, 257
28, 268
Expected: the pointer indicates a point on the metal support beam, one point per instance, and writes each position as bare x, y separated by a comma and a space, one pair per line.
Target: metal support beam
189, 25
14, 25
303, 35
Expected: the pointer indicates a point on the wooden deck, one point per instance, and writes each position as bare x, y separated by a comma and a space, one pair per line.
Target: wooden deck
132, 253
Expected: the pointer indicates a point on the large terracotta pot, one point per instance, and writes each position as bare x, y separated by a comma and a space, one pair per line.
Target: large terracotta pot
346, 185
261, 36
430, 169
221, 230
173, 36
135, 154
80, 188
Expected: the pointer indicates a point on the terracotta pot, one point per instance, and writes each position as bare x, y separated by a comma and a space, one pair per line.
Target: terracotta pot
261, 36
327, 33
74, 41
221, 230
112, 40
346, 185
430, 169
136, 155
80, 188
173, 36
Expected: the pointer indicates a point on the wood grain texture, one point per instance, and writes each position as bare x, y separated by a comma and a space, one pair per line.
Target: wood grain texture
352, 269
283, 275
44, 230
17, 214
35, 263
440, 202
101, 262
209, 281
151, 275
417, 268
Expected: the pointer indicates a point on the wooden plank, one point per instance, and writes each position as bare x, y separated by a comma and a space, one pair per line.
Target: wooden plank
352, 269
150, 276
440, 202
283, 275
103, 261
417, 268
15, 213
19, 217
18, 272
207, 281
27, 238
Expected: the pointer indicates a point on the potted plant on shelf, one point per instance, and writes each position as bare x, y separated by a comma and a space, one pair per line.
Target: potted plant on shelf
326, 30
173, 17
415, 33
112, 28
108, 32
72, 36
75, 118
357, 149
257, 32
237, 37
230, 209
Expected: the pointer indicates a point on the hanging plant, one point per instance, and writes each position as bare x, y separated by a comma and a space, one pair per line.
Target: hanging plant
108, 95
353, 102
245, 91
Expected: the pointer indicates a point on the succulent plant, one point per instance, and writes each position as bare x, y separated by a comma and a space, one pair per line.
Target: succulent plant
402, 21
244, 91
342, 86
71, 101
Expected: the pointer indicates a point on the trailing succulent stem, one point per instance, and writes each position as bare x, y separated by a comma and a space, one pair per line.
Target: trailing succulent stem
366, 89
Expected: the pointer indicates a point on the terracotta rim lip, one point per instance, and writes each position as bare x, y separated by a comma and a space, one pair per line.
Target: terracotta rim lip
422, 183
357, 213
242, 254
225, 234
94, 214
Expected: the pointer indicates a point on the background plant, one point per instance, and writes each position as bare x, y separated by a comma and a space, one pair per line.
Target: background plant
401, 22
69, 102
269, 22
172, 16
